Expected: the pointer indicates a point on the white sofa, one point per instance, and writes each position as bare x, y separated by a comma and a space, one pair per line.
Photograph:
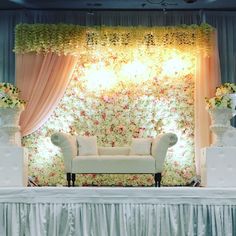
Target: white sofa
122, 160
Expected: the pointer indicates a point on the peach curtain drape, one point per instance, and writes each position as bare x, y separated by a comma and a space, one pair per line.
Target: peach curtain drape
42, 79
207, 79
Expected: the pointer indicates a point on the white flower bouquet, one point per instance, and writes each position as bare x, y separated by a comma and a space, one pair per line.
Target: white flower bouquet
9, 96
222, 100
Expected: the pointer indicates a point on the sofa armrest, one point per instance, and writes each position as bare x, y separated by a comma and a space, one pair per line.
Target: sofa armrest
68, 146
160, 146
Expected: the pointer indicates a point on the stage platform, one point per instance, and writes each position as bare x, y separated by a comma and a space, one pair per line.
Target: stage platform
99, 211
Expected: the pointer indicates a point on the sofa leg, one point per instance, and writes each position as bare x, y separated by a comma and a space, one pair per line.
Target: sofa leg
158, 179
73, 179
68, 178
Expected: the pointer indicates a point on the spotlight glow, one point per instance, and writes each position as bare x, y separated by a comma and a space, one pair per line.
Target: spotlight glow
135, 72
176, 66
100, 79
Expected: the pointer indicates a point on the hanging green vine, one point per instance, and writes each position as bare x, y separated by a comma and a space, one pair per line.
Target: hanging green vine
70, 39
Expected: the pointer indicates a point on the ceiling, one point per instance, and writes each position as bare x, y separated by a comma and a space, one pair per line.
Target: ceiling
118, 4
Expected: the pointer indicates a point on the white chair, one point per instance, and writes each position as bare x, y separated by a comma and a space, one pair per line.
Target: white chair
107, 160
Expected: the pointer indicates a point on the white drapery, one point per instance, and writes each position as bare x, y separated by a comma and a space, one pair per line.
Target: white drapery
117, 211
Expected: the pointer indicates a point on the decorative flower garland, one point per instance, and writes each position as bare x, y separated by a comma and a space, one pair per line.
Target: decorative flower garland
67, 39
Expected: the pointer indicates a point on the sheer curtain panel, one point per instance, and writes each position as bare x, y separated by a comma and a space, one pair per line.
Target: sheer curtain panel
42, 79
207, 79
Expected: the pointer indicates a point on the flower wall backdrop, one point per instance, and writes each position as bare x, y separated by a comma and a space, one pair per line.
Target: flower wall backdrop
117, 95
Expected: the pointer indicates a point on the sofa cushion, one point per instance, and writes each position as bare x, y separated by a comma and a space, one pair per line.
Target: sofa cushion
87, 145
113, 164
141, 146
113, 150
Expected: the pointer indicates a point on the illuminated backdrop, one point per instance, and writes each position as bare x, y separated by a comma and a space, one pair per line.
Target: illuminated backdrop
116, 96
129, 82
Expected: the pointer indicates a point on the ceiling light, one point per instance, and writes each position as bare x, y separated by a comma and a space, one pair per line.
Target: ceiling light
190, 1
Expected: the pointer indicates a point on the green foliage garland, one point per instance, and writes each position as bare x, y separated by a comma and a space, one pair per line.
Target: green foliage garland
72, 39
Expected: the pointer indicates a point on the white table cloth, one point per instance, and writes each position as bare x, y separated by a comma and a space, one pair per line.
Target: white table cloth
90, 211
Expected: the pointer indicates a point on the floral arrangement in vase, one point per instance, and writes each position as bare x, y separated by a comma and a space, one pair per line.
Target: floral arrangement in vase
225, 89
222, 99
221, 109
218, 102
9, 96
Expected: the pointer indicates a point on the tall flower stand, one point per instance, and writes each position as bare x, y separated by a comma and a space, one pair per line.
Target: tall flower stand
13, 157
218, 162
220, 123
